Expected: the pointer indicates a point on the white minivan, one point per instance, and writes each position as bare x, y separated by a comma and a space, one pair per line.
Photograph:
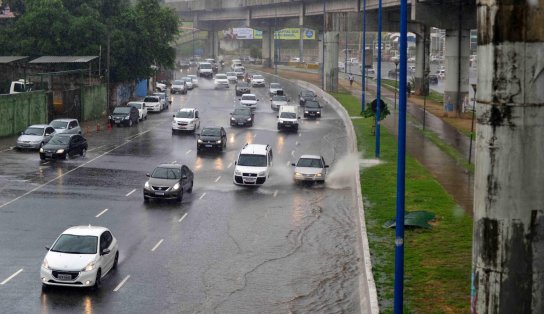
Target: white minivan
288, 118
252, 167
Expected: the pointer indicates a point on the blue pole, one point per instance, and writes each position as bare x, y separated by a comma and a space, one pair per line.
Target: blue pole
323, 45
401, 162
379, 85
363, 57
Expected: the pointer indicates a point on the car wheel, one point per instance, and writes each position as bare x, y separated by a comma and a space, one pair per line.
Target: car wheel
83, 152
173, 132
42, 157
145, 118
45, 287
66, 155
98, 280
41, 144
115, 261
180, 196
146, 199
190, 189
130, 123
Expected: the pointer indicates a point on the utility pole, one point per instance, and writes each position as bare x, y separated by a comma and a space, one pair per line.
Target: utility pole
508, 229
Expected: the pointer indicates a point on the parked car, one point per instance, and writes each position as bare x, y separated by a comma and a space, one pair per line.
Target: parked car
249, 101
274, 88
242, 117
441, 74
124, 115
142, 110
80, 257
195, 79
242, 88
168, 181
393, 73
186, 119
35, 136
63, 146
178, 87
211, 138
312, 109
305, 95
164, 99
153, 104
277, 101
433, 79
188, 82
257, 80
161, 87
68, 126
310, 168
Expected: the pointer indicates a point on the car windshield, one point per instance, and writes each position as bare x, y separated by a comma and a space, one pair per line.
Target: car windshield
252, 160
242, 112
310, 162
75, 244
279, 98
249, 97
135, 105
220, 76
257, 77
166, 173
288, 115
59, 140
178, 82
275, 85
188, 79
312, 104
33, 131
151, 99
59, 124
231, 73
192, 76
241, 84
184, 114
205, 66
308, 94
211, 132
121, 110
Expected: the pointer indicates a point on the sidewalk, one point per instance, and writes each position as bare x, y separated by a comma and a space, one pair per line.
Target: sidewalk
451, 175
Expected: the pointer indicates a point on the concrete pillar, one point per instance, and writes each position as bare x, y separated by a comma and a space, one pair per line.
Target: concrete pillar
331, 61
422, 61
457, 59
213, 43
301, 30
508, 232
268, 47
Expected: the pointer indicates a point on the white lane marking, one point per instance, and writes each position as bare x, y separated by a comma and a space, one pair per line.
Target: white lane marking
275, 193
101, 213
128, 194
182, 217
188, 152
299, 134
293, 153
45, 163
288, 163
157, 245
121, 284
217, 178
174, 162
254, 135
296, 143
66, 173
11, 277
230, 165
202, 196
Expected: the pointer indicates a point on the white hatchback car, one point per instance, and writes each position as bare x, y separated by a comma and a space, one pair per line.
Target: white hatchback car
310, 168
80, 257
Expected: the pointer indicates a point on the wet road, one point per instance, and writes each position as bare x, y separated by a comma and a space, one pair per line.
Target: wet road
226, 249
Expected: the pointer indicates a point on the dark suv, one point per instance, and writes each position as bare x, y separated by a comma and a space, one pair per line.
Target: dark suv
126, 115
242, 117
242, 88
312, 109
306, 95
211, 138
62, 146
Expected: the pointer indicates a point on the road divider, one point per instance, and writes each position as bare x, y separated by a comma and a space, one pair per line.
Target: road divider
11, 277
121, 283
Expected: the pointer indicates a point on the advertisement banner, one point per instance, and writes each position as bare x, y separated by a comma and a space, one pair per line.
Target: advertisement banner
283, 34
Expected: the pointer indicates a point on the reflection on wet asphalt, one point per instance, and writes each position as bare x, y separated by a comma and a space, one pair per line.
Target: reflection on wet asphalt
226, 249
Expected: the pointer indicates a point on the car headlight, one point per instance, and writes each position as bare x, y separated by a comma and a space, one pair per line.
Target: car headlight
90, 266
175, 187
262, 173
318, 112
298, 174
60, 151
127, 117
232, 119
109, 117
218, 142
318, 174
237, 172
248, 119
146, 185
306, 111
199, 141
41, 150
191, 122
45, 264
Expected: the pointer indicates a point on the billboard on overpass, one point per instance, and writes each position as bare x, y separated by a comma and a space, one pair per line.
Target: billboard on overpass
283, 34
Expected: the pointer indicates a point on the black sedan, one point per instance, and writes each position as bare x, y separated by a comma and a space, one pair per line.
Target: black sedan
242, 117
212, 138
306, 95
168, 181
63, 146
125, 115
312, 109
242, 88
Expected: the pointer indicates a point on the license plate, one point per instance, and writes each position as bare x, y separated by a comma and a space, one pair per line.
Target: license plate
49, 154
117, 121
240, 123
250, 179
159, 193
64, 277
287, 125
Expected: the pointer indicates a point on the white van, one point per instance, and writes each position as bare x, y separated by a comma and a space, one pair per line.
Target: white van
288, 118
253, 165
205, 69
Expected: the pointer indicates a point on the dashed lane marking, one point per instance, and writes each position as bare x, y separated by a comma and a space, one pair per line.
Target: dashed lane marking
157, 245
202, 196
218, 178
230, 165
121, 284
11, 277
275, 193
182, 217
101, 213
188, 152
128, 194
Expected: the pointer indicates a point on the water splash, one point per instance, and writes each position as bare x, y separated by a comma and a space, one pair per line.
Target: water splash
341, 174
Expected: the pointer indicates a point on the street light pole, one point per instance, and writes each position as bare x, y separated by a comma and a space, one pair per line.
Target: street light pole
472, 123
323, 45
396, 80
363, 57
425, 92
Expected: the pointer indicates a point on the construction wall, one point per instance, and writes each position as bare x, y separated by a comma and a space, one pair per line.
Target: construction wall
19, 111
93, 99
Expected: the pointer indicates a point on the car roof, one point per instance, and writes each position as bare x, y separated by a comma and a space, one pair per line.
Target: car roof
259, 149
39, 126
86, 230
187, 109
64, 120
249, 95
173, 166
310, 157
212, 127
152, 96
64, 134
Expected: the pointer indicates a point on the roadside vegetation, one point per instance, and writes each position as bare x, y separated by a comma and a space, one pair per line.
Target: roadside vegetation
438, 260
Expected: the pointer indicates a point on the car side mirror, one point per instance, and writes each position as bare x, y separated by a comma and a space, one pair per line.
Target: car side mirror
326, 166
235, 163
293, 164
47, 248
173, 115
239, 98
289, 100
170, 101
105, 251
270, 99
298, 117
277, 116
147, 175
197, 134
22, 133
184, 177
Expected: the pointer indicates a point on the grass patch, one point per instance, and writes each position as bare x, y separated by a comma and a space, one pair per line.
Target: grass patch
437, 261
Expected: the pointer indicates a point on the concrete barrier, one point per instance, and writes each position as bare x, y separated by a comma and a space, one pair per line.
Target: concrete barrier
18, 111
